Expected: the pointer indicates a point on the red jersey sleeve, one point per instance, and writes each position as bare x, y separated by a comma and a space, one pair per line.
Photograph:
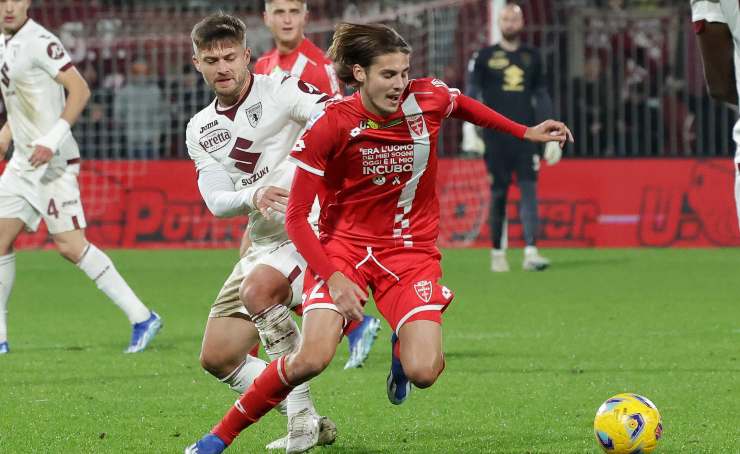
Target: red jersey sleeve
302, 194
311, 152
475, 112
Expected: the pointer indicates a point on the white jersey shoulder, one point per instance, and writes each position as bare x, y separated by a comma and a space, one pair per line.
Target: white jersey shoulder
707, 10
251, 140
728, 12
30, 60
252, 137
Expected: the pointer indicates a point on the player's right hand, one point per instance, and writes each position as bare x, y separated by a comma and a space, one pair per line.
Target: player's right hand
347, 296
268, 199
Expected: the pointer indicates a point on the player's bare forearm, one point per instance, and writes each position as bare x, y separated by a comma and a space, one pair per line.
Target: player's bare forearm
6, 136
78, 94
717, 52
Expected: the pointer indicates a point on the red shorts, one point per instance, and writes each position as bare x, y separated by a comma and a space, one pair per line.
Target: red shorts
403, 281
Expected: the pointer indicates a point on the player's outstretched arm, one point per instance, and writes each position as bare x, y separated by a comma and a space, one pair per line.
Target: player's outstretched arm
717, 53
475, 112
346, 294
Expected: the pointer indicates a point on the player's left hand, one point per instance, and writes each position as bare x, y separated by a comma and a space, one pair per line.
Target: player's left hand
40, 156
269, 199
548, 131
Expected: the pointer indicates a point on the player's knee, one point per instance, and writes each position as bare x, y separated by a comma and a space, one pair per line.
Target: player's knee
258, 295
304, 366
69, 251
422, 374
214, 364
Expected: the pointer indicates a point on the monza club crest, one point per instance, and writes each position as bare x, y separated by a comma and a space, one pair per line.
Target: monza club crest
254, 114
423, 290
416, 124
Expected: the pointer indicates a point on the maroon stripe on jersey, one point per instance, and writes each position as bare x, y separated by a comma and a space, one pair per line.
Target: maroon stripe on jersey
66, 67
323, 99
294, 274
230, 113
75, 223
73, 161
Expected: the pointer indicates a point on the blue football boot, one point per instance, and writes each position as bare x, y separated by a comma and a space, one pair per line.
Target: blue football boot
398, 385
143, 333
209, 444
361, 340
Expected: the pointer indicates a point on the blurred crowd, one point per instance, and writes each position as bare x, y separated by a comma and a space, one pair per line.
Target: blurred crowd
625, 74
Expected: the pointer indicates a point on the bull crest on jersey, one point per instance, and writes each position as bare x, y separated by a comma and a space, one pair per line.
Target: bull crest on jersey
416, 124
254, 114
423, 290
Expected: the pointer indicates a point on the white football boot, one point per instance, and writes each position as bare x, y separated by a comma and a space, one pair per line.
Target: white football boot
306, 430
498, 261
533, 261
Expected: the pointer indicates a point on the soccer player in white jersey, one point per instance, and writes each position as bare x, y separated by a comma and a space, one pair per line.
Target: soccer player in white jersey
717, 27
240, 143
40, 181
297, 55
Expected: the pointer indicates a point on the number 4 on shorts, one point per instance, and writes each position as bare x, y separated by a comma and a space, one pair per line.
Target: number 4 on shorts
52, 210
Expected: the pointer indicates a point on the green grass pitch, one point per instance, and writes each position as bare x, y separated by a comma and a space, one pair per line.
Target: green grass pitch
530, 357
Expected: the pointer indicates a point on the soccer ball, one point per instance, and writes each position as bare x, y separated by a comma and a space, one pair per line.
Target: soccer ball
628, 424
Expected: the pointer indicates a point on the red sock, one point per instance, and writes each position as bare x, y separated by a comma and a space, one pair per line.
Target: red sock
351, 326
269, 389
397, 349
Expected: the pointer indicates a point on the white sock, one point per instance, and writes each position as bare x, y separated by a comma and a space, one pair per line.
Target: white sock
100, 269
530, 250
244, 375
498, 252
7, 277
300, 398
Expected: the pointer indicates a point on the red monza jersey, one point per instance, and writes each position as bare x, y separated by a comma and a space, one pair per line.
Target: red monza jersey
307, 62
378, 174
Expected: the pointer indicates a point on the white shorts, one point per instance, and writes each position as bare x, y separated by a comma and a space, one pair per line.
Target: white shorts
283, 257
57, 201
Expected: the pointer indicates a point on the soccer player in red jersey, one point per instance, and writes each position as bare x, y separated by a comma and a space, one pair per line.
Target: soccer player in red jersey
373, 155
294, 53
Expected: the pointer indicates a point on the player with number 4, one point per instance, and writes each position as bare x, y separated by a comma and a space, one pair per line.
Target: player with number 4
40, 181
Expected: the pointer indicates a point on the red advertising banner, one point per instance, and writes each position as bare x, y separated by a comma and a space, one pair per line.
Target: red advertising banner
603, 203
583, 203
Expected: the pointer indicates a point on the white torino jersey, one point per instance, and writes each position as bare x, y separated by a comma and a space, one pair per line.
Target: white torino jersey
728, 12
29, 61
252, 139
